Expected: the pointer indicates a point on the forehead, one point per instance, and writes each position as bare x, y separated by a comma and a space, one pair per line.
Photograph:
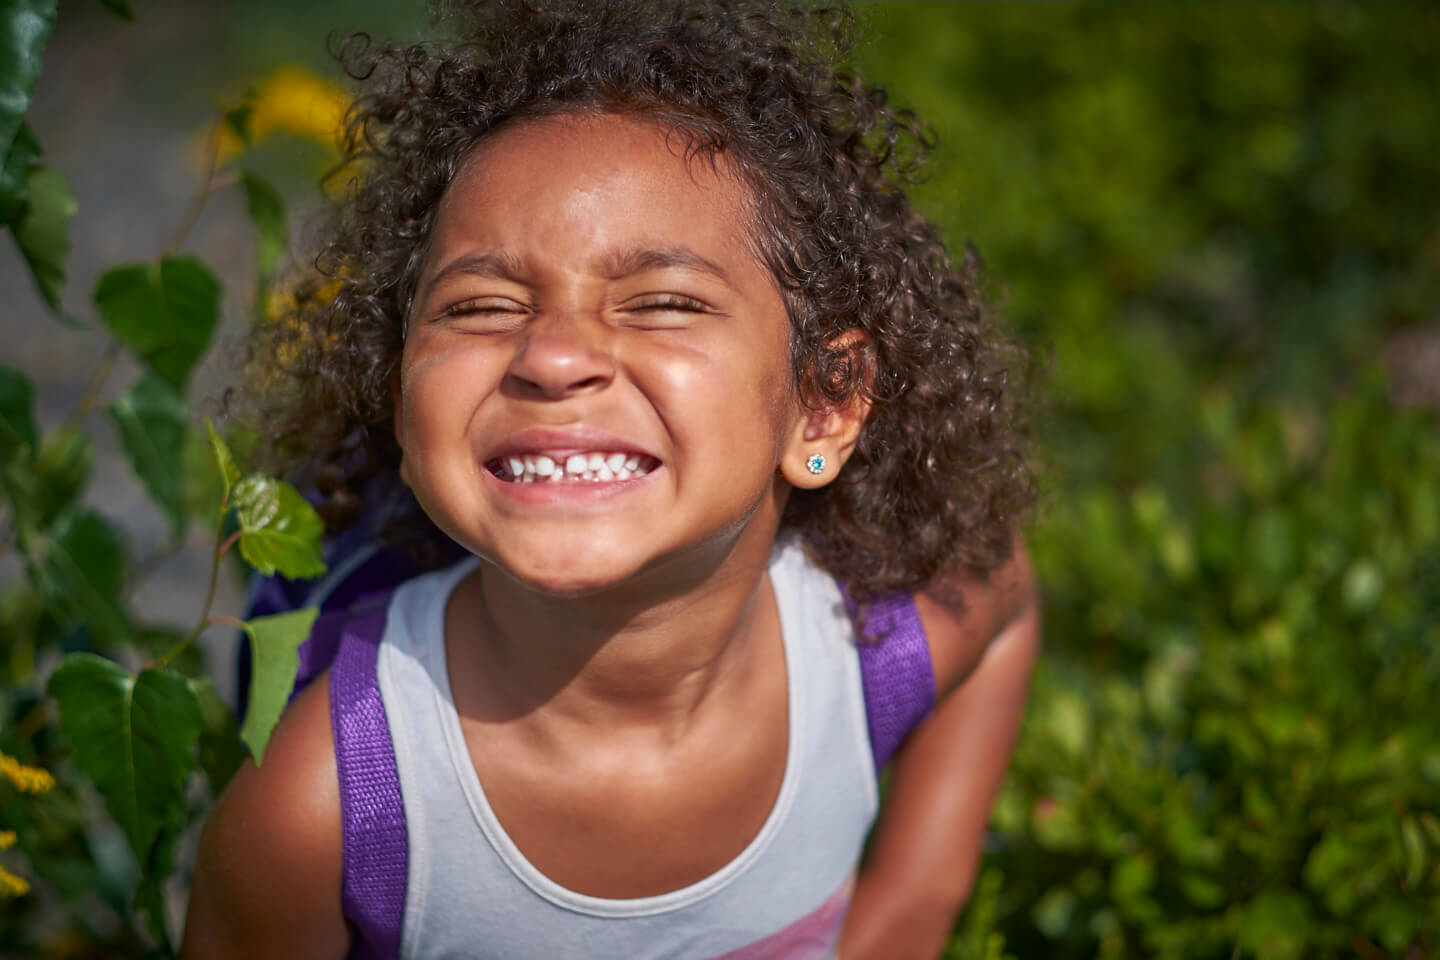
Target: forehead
574, 189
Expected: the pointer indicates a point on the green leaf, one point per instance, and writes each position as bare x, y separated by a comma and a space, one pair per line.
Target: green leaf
121, 9
1052, 912
82, 565
152, 419
1275, 924
62, 467
166, 312
159, 641
279, 531
24, 27
15, 174
133, 737
150, 902
267, 214
18, 486
17, 414
221, 751
228, 471
43, 232
238, 119
274, 642
1132, 878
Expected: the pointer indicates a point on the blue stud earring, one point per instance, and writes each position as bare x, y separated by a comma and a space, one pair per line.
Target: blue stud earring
816, 464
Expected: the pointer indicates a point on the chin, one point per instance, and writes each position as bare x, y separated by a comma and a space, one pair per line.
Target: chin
565, 576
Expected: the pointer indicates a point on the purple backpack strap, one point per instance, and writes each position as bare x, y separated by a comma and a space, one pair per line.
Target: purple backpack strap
372, 812
895, 672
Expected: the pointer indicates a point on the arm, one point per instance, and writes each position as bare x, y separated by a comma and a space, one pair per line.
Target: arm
267, 878
926, 849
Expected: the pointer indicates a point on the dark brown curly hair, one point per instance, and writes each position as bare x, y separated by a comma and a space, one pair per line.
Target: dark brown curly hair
940, 476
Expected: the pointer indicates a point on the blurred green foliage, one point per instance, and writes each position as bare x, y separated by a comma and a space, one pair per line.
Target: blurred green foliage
99, 783
1208, 220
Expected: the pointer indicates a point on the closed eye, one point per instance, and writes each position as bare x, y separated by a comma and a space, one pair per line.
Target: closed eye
486, 314
669, 301
663, 311
487, 305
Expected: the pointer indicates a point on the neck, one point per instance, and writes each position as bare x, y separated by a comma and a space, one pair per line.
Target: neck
645, 655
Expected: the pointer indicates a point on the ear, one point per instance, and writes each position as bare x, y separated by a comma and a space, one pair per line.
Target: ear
822, 439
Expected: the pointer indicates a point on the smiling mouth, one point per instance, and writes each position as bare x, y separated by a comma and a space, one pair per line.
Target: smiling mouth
593, 467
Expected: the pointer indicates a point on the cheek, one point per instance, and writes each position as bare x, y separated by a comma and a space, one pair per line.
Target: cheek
438, 389
719, 389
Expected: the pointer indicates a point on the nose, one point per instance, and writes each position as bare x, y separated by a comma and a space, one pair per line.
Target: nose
562, 357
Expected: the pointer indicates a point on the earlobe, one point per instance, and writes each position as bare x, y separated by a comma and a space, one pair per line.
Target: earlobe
824, 439
822, 442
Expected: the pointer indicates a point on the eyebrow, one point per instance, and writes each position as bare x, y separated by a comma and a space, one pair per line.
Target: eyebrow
501, 266
495, 266
660, 258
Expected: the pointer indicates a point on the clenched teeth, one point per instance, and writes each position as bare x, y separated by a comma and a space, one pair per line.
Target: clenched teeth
596, 467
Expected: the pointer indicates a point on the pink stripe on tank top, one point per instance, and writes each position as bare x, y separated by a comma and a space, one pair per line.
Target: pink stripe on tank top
812, 937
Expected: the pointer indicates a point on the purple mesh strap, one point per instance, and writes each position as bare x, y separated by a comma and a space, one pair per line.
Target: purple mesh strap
895, 672
372, 813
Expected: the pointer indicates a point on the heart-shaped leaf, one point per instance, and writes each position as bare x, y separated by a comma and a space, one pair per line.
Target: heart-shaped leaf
274, 642
133, 737
279, 531
221, 752
15, 174
62, 468
17, 414
165, 311
82, 565
43, 232
152, 419
24, 27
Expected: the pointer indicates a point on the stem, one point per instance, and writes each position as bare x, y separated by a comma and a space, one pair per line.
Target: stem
204, 621
230, 542
233, 621
106, 364
32, 722
98, 376
202, 196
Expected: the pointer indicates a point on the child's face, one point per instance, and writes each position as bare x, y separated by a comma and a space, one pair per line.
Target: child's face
588, 292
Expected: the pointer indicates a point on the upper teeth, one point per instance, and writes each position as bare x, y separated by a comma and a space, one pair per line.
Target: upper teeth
596, 466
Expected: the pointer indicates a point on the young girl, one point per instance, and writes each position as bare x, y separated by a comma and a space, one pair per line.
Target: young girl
628, 297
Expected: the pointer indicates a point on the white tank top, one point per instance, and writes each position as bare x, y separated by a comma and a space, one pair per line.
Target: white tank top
472, 894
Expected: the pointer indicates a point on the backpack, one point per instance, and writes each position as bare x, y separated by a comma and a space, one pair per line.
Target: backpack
896, 674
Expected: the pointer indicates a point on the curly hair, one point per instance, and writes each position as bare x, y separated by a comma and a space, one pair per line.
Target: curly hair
940, 476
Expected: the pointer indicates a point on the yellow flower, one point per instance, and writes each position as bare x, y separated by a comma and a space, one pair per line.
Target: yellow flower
11, 885
293, 101
25, 779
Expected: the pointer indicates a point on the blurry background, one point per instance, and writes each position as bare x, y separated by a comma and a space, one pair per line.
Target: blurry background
1218, 227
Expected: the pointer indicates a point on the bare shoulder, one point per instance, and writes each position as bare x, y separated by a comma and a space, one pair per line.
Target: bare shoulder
267, 878
963, 613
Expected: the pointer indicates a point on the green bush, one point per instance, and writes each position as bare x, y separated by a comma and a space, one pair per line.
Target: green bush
1248, 757
1208, 220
